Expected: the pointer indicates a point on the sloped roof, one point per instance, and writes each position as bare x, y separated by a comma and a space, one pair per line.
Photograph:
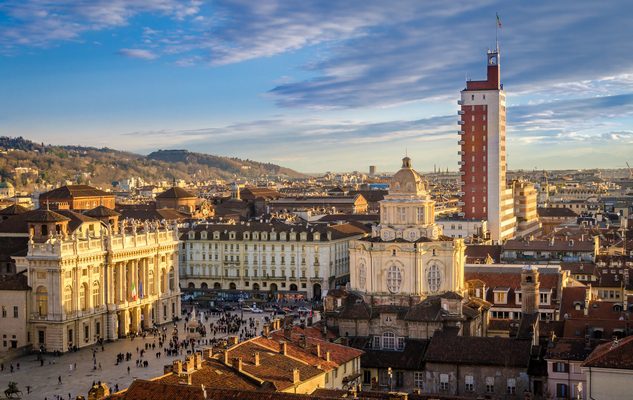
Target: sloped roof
175, 193
45, 216
446, 348
70, 191
102, 211
14, 209
616, 355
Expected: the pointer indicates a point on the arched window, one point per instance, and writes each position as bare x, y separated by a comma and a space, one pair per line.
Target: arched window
150, 281
41, 298
362, 276
68, 299
163, 281
394, 279
389, 341
96, 295
83, 296
434, 278
171, 279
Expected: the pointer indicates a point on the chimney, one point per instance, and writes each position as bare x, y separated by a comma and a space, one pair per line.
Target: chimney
190, 363
327, 356
318, 350
266, 330
177, 367
208, 353
284, 347
256, 356
303, 342
296, 376
198, 360
233, 340
238, 364
288, 332
226, 357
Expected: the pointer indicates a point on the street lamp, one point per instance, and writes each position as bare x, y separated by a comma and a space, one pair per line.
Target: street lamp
390, 373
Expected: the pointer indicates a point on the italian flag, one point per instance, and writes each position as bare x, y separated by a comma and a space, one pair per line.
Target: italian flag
498, 21
133, 291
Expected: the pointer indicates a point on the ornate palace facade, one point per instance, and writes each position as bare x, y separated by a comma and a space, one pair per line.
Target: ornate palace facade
92, 280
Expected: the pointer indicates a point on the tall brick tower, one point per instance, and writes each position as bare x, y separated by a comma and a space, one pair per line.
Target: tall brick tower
482, 133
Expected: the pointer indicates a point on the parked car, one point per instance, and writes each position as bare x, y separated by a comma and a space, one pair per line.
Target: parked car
304, 310
257, 310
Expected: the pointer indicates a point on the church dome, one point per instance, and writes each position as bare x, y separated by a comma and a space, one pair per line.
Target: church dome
407, 181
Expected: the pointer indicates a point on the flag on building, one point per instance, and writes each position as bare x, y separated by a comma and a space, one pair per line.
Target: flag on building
133, 291
498, 21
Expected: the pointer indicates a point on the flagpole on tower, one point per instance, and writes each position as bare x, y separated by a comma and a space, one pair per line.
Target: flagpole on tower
497, 26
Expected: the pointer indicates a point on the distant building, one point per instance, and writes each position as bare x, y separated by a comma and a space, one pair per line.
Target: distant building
269, 260
406, 258
178, 199
15, 295
525, 205
76, 197
6, 190
372, 170
483, 164
93, 277
332, 204
609, 370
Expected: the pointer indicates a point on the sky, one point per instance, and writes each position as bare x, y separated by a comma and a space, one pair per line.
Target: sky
318, 85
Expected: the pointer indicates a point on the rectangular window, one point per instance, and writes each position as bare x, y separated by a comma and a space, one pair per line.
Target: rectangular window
443, 381
490, 384
15, 311
512, 386
400, 343
4, 312
561, 367
418, 379
561, 390
366, 377
469, 383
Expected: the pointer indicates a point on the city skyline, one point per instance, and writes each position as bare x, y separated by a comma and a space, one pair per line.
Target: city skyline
302, 84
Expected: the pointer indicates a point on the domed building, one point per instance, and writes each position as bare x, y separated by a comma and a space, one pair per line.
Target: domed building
406, 259
6, 190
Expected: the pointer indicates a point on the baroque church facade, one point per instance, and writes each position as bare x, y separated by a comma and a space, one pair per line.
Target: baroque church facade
406, 259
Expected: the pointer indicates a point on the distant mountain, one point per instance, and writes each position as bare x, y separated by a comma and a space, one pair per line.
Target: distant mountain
102, 167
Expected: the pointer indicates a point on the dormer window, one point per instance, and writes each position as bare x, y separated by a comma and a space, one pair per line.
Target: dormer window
216, 235
246, 235
273, 236
203, 235
501, 295
544, 297
282, 236
231, 235
192, 234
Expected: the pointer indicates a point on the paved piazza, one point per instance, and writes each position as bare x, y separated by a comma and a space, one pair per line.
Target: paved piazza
44, 379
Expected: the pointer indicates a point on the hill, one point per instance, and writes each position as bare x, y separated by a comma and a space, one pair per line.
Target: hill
103, 166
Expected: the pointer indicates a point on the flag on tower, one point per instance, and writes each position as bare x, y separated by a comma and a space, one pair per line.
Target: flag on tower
498, 21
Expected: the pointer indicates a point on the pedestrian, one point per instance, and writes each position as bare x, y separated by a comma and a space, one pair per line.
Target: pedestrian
128, 369
59, 379
28, 389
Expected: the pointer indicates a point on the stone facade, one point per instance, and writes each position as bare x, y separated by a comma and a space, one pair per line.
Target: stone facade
93, 284
272, 258
407, 258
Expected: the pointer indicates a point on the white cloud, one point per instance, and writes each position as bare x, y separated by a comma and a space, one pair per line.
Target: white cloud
138, 53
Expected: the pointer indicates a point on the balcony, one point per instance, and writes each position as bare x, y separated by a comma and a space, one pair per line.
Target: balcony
461, 194
460, 112
460, 122
461, 132
460, 153
461, 214
462, 173
462, 183
461, 142
461, 203
461, 162
460, 102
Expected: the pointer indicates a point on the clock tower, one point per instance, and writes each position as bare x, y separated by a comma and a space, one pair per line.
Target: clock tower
407, 258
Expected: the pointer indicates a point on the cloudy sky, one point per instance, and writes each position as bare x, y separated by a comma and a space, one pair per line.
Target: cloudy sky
318, 85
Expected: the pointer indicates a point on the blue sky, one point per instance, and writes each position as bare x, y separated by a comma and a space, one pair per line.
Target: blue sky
318, 85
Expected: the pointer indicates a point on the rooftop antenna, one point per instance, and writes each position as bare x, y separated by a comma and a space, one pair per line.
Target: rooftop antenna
497, 27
